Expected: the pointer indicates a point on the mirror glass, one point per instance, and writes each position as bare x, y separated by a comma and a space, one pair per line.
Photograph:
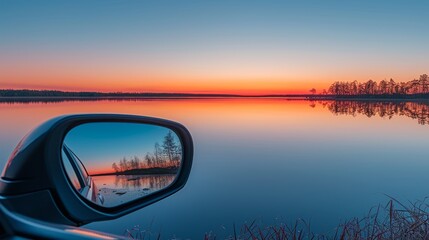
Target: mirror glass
112, 163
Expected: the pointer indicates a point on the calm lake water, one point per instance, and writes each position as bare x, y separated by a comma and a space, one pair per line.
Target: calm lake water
272, 160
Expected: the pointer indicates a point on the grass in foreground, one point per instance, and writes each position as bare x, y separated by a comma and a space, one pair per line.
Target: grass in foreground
391, 221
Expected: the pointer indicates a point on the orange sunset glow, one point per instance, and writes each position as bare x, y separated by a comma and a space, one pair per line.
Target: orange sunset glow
256, 51
243, 87
257, 77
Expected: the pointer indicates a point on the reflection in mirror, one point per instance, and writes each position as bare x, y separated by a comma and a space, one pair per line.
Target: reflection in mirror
112, 163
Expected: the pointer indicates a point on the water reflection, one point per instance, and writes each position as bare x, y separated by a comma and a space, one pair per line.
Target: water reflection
154, 182
119, 189
414, 110
261, 159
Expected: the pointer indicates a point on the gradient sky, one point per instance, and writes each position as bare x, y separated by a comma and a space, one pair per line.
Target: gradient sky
98, 145
209, 46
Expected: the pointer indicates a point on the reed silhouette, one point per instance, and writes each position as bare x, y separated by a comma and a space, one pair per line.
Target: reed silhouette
393, 220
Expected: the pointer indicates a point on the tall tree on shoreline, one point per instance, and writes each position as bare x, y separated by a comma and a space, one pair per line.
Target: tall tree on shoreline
170, 147
167, 155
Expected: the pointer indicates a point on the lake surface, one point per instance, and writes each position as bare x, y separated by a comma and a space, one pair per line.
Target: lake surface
273, 160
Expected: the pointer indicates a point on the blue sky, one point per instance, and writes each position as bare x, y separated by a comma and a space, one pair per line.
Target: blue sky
127, 45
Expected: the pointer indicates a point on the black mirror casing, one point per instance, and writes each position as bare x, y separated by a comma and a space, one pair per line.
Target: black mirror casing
34, 182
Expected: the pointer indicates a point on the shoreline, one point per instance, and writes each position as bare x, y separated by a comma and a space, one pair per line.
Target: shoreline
215, 97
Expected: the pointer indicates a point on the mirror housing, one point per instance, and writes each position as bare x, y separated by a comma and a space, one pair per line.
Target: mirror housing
35, 184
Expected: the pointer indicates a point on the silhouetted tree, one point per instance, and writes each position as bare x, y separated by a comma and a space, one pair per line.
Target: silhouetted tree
135, 163
158, 154
149, 160
391, 87
424, 82
382, 87
169, 146
123, 164
115, 167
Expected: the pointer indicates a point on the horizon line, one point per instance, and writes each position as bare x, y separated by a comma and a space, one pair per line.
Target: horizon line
112, 93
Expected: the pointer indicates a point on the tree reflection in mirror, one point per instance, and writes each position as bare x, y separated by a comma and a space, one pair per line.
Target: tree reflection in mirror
112, 163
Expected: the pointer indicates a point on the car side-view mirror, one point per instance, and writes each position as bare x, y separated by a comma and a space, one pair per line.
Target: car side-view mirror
114, 163
94, 167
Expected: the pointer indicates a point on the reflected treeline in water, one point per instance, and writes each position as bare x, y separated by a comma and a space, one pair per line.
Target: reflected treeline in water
414, 110
153, 182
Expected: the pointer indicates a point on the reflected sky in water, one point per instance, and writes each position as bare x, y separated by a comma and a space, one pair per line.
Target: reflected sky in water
119, 189
134, 182
387, 109
267, 159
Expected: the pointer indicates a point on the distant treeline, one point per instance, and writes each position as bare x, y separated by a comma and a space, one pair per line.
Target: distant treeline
46, 93
64, 94
383, 88
418, 88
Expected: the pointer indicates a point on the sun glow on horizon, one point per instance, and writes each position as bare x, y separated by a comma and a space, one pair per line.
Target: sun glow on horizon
244, 47
239, 87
